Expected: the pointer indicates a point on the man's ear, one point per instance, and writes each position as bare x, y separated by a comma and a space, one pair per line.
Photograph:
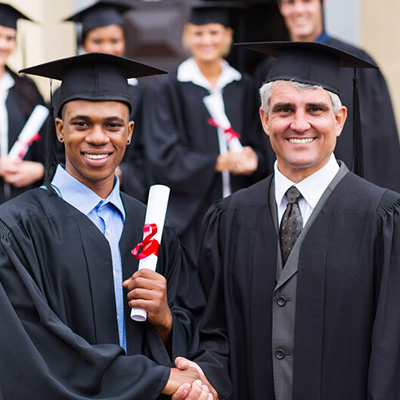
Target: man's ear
59, 129
131, 126
340, 120
264, 120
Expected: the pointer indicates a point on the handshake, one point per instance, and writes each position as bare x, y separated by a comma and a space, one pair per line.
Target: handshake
188, 382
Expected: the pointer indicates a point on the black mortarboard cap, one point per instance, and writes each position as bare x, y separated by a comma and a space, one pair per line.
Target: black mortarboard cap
102, 13
316, 64
10, 15
307, 62
212, 12
93, 76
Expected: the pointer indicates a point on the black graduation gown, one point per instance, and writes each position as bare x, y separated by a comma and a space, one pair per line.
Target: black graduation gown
17, 118
183, 148
381, 148
348, 299
136, 177
58, 330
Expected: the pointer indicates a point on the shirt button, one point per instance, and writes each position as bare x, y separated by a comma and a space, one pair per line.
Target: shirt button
281, 301
280, 354
108, 231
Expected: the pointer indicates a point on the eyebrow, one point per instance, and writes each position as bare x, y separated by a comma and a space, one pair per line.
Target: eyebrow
278, 106
88, 118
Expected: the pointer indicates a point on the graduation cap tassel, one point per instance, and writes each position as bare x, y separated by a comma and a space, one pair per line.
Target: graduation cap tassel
51, 157
358, 163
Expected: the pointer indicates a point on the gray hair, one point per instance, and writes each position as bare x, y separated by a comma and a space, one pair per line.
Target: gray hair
266, 92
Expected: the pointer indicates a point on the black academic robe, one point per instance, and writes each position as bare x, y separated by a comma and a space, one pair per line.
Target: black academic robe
348, 299
24, 91
381, 148
58, 328
183, 148
136, 177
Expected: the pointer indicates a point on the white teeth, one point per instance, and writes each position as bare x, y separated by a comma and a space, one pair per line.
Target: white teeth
96, 156
309, 140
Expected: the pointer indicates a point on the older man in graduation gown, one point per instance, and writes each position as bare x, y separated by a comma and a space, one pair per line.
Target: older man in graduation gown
66, 266
317, 317
381, 148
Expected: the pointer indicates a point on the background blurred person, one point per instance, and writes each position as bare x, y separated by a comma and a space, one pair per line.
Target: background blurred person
18, 97
186, 150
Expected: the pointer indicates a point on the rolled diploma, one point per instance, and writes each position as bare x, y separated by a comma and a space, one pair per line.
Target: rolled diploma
30, 129
216, 109
155, 214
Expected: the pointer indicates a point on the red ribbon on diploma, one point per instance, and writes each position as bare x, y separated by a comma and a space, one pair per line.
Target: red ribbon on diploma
230, 133
26, 144
149, 245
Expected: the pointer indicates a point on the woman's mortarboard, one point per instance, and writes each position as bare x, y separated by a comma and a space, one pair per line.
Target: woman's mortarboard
92, 77
316, 64
102, 13
212, 12
10, 15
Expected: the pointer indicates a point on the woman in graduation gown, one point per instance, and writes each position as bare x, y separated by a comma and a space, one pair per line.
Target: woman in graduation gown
18, 97
102, 30
188, 152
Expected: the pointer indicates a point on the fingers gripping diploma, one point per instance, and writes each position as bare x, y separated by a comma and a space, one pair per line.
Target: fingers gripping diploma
200, 389
147, 290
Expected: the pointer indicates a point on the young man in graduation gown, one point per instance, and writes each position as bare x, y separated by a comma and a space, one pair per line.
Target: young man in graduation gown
66, 266
325, 323
304, 21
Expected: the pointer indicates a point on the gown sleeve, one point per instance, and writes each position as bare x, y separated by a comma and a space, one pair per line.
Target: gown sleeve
42, 358
136, 177
185, 295
385, 347
213, 354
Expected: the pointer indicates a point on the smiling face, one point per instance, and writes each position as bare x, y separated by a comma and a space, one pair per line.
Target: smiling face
7, 43
107, 39
95, 135
303, 19
302, 128
209, 42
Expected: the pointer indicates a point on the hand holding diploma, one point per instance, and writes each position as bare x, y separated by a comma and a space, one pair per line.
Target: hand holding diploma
216, 109
147, 290
29, 133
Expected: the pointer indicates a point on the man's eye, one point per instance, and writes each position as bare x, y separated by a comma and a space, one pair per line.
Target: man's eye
80, 124
315, 109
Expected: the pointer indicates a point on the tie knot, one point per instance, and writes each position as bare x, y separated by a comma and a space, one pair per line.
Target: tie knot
293, 194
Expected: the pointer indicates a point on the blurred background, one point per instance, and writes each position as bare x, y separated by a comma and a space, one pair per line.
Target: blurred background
154, 30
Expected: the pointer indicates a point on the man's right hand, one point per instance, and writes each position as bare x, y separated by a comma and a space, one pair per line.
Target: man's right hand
195, 387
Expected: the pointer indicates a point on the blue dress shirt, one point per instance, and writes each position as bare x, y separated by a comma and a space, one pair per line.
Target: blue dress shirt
109, 217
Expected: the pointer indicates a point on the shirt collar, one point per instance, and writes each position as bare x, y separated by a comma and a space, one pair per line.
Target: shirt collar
312, 187
133, 81
188, 71
80, 196
322, 38
6, 82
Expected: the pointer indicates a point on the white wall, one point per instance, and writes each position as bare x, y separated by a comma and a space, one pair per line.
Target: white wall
342, 19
